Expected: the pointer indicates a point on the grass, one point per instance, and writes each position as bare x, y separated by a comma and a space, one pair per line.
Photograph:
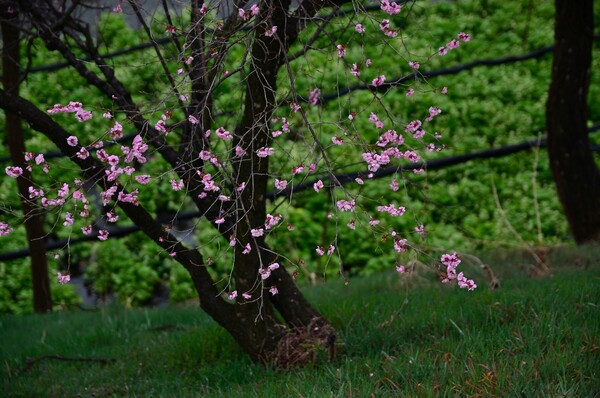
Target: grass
532, 337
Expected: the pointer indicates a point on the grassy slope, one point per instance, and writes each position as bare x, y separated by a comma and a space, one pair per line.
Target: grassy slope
532, 337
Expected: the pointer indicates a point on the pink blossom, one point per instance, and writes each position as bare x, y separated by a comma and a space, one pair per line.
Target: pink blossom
313, 98
330, 249
297, 170
346, 205
72, 140
385, 24
419, 134
62, 279
373, 222
464, 37
355, 71
420, 229
401, 269
415, 65
390, 32
128, 197
171, 29
320, 251
117, 9
112, 216
359, 28
295, 107
400, 245
394, 185
271, 31
286, 125
103, 234
220, 220
63, 192
359, 181
352, 224
410, 92
273, 266
247, 249
233, 295
107, 115
193, 119
13, 171
222, 133
203, 9
83, 153
337, 140
351, 115
413, 126
35, 193
391, 8
368, 63
392, 210
273, 290
160, 126
239, 151
176, 185
317, 186
264, 152
450, 260
143, 179
412, 156
5, 229
433, 112
378, 81
341, 50
39, 159
272, 221
69, 219
276, 133
86, 230
442, 51
265, 273
453, 44
82, 115
280, 184
444, 90
257, 232
246, 296
254, 9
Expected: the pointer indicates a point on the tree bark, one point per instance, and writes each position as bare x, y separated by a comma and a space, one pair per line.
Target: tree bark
573, 167
34, 223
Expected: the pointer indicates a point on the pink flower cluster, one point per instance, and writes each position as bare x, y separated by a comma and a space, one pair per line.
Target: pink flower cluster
5, 229
391, 8
73, 107
246, 15
451, 261
452, 44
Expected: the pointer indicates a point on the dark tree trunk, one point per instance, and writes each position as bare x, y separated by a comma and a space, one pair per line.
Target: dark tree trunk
42, 299
573, 167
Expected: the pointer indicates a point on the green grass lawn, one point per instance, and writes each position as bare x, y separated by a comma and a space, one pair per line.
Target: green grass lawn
531, 337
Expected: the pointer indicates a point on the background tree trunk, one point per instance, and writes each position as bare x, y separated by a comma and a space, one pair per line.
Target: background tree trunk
573, 167
42, 299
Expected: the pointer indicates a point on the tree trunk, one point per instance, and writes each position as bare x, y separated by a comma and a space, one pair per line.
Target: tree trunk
42, 299
573, 167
